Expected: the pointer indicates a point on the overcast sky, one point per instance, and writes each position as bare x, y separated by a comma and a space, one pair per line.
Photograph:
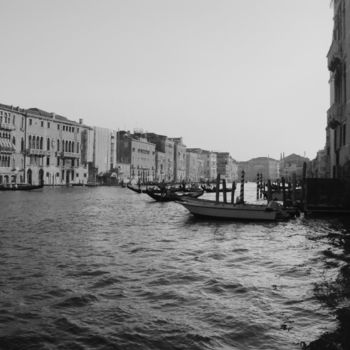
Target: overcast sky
245, 77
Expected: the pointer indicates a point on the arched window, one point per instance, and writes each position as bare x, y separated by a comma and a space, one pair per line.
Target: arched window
66, 149
13, 140
48, 144
22, 144
30, 141
72, 146
58, 145
78, 150
41, 143
38, 142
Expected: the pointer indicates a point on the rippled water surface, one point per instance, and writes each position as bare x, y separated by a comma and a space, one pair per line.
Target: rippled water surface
106, 268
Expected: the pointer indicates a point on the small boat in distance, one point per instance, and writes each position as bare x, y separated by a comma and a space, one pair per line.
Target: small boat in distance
20, 187
241, 211
167, 196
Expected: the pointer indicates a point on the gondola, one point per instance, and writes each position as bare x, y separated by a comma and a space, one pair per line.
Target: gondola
20, 187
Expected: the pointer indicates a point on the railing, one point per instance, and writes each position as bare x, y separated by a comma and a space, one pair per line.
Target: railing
335, 115
7, 126
334, 55
37, 152
69, 154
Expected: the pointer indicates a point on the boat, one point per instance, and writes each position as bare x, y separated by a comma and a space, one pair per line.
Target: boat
20, 187
242, 211
167, 196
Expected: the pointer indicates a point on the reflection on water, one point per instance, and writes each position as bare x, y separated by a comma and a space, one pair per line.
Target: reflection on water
106, 268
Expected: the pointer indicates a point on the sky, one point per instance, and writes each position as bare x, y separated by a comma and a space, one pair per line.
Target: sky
245, 77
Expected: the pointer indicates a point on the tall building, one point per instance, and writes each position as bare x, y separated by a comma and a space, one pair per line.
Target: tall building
179, 159
134, 149
165, 145
12, 124
338, 115
194, 166
226, 166
105, 149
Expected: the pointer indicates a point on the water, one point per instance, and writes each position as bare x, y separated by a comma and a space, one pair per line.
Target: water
106, 268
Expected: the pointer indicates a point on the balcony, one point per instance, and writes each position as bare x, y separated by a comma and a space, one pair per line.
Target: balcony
37, 152
335, 115
7, 126
6, 146
68, 155
334, 55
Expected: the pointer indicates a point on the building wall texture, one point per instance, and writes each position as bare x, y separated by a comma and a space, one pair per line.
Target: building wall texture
338, 115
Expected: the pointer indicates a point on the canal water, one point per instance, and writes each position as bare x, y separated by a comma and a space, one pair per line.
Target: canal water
106, 268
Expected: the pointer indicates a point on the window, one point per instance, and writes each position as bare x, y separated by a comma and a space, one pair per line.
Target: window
47, 161
58, 162
58, 145
48, 144
48, 125
58, 126
30, 121
42, 123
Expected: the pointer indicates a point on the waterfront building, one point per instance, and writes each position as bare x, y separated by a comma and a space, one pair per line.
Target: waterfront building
292, 165
338, 115
39, 147
179, 159
194, 166
210, 165
161, 164
319, 165
53, 149
105, 150
11, 145
227, 167
165, 145
134, 149
268, 167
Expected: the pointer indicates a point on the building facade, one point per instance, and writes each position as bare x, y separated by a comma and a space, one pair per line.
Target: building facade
226, 166
268, 167
179, 159
338, 115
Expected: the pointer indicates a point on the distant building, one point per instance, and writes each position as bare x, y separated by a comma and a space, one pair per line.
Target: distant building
179, 159
165, 145
194, 166
338, 115
226, 166
134, 149
319, 165
268, 167
293, 165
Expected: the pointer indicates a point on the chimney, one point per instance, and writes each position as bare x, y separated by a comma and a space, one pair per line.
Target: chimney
81, 120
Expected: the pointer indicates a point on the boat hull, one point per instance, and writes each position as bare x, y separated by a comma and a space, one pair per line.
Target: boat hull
205, 208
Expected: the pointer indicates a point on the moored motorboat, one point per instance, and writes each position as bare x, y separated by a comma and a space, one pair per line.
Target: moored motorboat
242, 211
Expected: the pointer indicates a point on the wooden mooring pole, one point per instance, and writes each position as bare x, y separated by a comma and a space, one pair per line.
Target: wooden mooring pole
218, 188
242, 187
224, 190
233, 192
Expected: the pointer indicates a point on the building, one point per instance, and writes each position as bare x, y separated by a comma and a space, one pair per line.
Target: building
53, 149
268, 167
319, 165
338, 115
292, 165
194, 166
11, 145
165, 145
39, 147
105, 150
179, 159
226, 166
134, 149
